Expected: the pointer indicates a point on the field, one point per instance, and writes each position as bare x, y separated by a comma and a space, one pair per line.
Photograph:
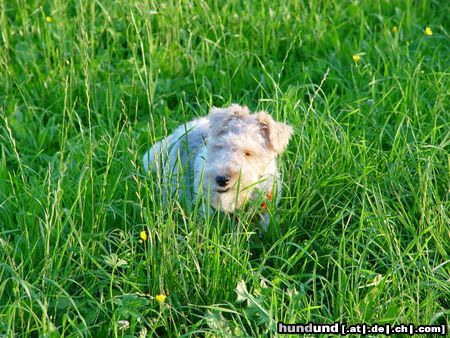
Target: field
361, 235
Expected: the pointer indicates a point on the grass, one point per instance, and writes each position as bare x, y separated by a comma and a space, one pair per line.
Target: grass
362, 232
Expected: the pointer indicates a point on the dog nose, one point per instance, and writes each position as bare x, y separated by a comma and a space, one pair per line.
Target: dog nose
222, 180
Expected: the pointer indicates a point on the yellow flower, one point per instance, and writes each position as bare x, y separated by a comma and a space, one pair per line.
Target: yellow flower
356, 58
394, 29
160, 298
143, 235
48, 19
428, 31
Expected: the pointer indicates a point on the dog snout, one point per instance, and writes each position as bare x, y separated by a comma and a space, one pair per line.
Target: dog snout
222, 181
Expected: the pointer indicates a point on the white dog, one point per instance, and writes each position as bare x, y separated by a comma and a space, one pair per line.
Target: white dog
228, 157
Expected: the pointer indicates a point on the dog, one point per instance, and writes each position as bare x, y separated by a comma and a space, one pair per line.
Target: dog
229, 157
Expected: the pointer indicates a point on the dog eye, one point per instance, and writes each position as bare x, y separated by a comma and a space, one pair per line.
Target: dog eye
247, 153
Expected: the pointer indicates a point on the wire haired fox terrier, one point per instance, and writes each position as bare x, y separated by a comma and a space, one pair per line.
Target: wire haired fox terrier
229, 157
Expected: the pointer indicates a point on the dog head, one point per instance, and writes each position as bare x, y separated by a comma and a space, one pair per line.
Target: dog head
241, 150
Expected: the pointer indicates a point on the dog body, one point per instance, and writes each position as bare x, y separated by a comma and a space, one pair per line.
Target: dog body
229, 157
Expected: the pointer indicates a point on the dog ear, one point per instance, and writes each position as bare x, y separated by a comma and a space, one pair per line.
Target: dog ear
277, 134
219, 117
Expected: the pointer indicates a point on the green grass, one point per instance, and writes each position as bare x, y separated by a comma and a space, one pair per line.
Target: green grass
362, 232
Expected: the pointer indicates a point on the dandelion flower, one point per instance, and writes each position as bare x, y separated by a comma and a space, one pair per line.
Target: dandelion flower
123, 324
356, 58
143, 235
160, 298
394, 29
48, 19
428, 31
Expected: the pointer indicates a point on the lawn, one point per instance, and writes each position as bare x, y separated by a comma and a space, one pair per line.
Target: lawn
362, 232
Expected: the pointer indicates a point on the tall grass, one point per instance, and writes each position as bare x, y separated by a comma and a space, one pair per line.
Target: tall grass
361, 234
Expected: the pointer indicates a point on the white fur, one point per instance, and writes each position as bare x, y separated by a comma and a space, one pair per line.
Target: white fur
228, 142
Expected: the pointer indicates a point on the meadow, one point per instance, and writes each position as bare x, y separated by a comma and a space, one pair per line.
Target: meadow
361, 235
